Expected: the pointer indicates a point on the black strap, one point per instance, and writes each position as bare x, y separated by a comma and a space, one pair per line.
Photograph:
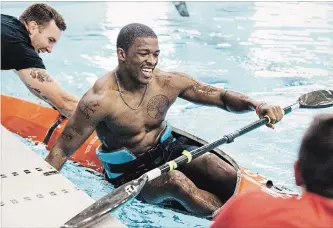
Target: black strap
124, 167
52, 128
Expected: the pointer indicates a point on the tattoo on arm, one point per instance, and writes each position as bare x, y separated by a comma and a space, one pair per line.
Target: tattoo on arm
38, 92
158, 106
69, 133
66, 99
33, 89
88, 108
67, 136
203, 89
40, 75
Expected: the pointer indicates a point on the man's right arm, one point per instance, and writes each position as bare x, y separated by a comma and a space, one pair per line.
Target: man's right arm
41, 84
79, 127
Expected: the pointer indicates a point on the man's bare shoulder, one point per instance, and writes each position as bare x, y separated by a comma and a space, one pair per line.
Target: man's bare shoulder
172, 78
105, 83
100, 95
173, 74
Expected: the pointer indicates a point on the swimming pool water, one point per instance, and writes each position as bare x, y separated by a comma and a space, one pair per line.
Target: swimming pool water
273, 51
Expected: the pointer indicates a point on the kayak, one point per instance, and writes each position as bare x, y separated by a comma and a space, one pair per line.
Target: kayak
33, 121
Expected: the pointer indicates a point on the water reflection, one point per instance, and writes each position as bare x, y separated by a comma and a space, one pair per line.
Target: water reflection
289, 39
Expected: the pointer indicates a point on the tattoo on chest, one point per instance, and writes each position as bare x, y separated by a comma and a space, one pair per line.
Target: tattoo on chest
88, 108
40, 75
157, 106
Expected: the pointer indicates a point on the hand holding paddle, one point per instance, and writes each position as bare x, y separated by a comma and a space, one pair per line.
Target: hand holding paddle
273, 113
128, 191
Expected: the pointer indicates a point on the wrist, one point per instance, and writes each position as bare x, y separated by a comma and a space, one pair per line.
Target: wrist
257, 108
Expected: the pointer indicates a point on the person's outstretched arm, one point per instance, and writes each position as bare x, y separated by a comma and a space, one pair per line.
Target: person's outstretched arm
232, 101
41, 84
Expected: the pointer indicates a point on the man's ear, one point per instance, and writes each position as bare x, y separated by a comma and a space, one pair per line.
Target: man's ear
121, 54
298, 176
32, 27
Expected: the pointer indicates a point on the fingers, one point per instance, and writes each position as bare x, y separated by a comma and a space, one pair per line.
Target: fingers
282, 111
274, 114
273, 117
279, 112
271, 126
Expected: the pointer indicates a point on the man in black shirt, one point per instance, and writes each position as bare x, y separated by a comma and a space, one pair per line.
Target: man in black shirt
37, 30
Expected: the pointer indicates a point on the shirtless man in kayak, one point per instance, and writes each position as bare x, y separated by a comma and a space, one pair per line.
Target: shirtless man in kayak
127, 107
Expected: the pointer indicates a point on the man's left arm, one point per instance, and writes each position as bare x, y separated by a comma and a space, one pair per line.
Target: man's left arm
232, 101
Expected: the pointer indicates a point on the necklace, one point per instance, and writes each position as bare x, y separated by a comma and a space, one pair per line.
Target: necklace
121, 95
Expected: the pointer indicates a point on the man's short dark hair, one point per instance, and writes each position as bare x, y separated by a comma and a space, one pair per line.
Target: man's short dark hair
316, 156
43, 14
129, 32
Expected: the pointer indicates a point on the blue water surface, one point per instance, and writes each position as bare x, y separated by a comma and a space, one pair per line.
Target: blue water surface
272, 51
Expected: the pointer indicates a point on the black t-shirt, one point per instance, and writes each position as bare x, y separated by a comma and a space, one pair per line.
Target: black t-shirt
17, 51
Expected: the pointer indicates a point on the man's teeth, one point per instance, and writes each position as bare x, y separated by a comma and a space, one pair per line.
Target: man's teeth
147, 70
